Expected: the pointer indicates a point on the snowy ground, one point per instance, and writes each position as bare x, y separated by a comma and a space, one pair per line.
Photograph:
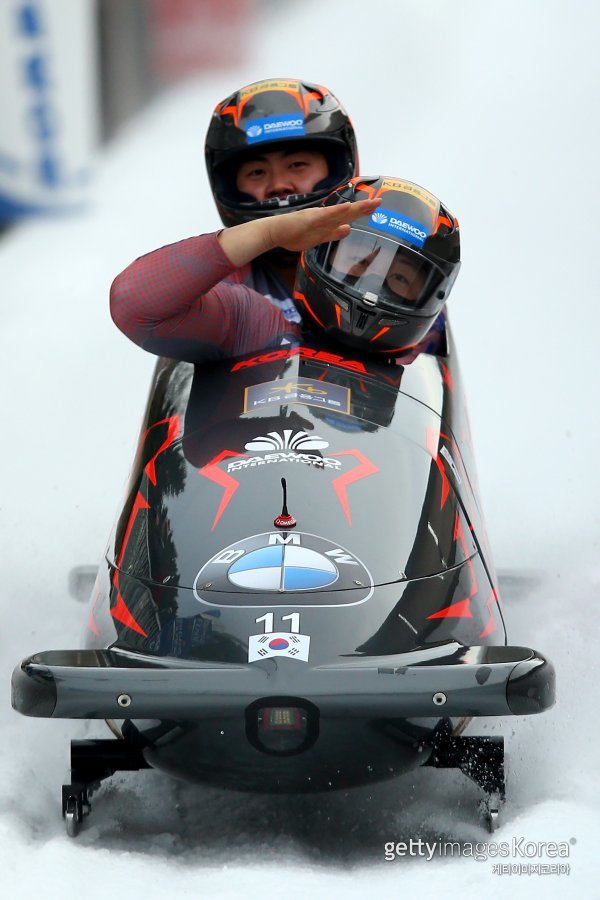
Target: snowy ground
493, 107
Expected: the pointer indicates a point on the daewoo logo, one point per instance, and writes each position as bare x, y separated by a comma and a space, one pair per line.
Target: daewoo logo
288, 441
379, 218
403, 225
284, 123
289, 447
254, 130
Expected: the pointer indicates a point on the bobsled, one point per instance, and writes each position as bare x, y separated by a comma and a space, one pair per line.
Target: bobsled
298, 594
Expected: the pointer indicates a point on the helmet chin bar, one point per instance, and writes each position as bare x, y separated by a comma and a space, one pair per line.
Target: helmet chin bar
282, 203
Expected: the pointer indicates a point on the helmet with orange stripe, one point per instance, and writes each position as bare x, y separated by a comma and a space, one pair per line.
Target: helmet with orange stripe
281, 114
382, 287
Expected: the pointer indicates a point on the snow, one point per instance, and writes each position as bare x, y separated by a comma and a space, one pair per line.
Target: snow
491, 107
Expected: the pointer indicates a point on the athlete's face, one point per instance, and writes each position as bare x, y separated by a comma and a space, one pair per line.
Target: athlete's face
280, 173
404, 276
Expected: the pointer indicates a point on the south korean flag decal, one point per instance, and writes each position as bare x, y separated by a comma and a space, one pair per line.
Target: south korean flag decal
278, 643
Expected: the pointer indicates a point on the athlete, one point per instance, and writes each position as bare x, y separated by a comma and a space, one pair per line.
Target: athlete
379, 260
383, 288
273, 147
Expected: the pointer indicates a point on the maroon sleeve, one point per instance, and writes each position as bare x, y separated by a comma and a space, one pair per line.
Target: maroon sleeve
174, 302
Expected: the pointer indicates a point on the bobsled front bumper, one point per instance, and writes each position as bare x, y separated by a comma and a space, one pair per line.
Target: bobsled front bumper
444, 680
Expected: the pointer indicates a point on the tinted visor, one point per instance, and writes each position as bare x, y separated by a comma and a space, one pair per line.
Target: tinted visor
382, 272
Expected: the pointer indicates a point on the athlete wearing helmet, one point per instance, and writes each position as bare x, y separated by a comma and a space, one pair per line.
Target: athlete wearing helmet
253, 136
382, 292
273, 147
384, 286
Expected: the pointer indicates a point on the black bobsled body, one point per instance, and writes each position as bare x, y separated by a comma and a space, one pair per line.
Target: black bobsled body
259, 655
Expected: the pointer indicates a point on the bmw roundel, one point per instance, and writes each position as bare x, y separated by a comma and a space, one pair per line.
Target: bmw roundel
317, 572
283, 567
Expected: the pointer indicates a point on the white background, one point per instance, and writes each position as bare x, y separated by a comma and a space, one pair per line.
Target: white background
495, 109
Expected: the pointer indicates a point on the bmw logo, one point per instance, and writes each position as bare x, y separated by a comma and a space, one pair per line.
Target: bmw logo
315, 571
283, 567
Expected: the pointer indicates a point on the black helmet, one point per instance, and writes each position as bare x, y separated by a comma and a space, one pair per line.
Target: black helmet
271, 115
382, 287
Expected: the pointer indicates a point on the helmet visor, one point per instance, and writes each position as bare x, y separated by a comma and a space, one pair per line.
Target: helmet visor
382, 272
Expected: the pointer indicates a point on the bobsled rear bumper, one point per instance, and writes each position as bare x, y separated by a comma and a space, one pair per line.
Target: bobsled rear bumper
447, 680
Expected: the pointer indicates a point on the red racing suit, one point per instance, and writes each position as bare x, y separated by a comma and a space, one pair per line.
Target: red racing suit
187, 301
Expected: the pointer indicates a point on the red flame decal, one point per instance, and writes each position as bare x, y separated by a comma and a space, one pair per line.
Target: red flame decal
120, 611
432, 441
363, 470
122, 614
172, 432
227, 482
447, 376
490, 626
460, 610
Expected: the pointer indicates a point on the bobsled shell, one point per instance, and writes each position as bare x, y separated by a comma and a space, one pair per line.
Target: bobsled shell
225, 649
390, 496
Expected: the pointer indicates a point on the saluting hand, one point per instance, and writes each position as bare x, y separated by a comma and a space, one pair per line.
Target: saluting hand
308, 227
295, 231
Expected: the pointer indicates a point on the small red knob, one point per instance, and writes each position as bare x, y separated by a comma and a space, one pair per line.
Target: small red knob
285, 521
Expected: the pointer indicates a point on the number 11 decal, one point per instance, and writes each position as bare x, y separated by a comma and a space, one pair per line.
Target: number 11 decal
269, 619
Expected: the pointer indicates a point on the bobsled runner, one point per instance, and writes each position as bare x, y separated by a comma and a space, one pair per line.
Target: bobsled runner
298, 594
